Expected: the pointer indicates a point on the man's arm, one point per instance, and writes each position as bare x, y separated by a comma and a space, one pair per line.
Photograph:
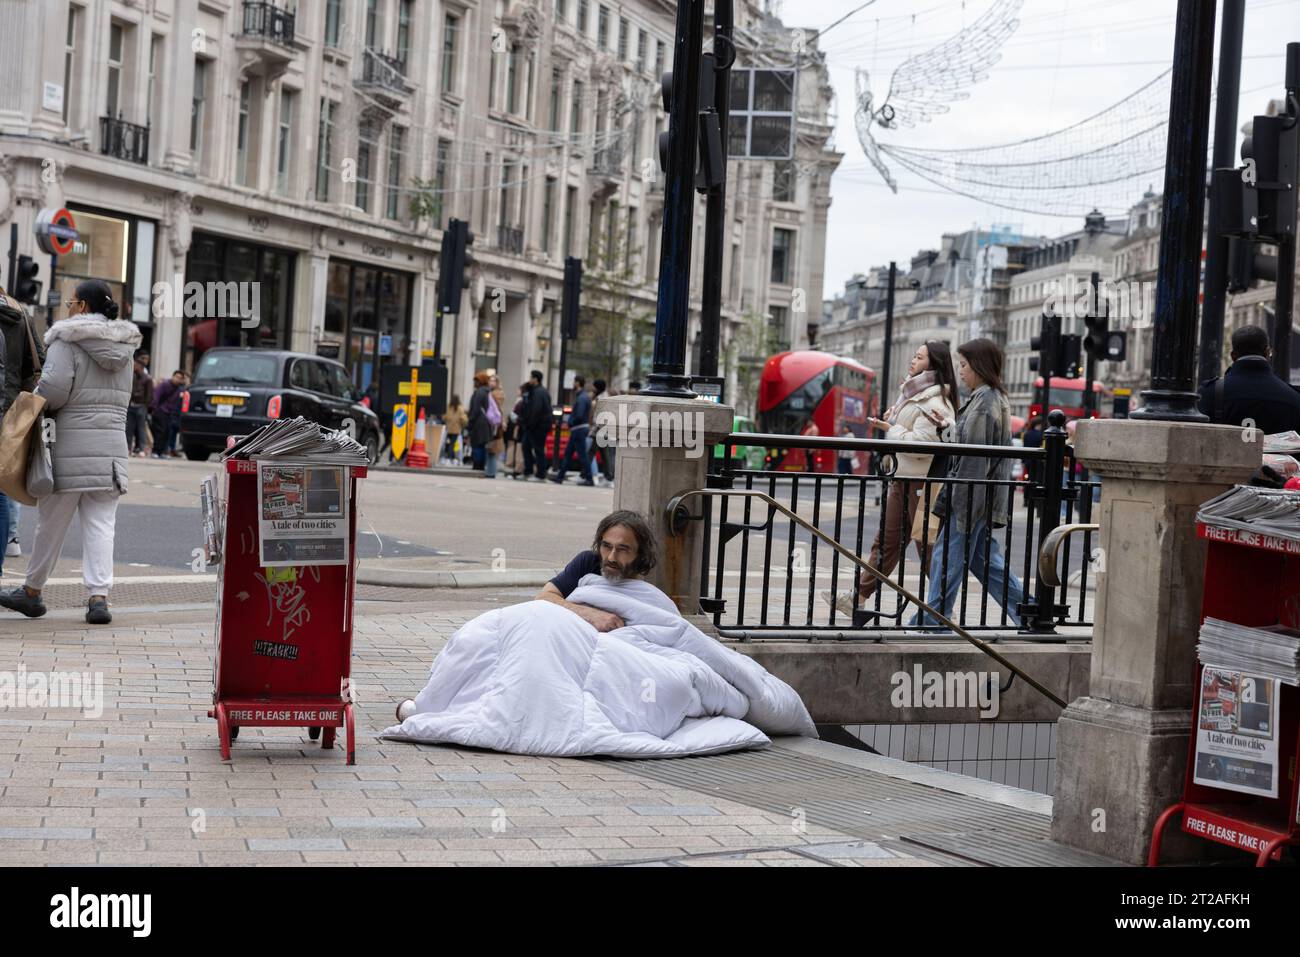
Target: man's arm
600, 620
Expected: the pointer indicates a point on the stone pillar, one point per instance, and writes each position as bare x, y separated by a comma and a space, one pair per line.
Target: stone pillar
663, 450
1122, 749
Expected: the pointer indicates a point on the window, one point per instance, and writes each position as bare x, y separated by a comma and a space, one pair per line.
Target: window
114, 69
333, 21
584, 8
365, 158
450, 27
642, 39
440, 180
373, 26
777, 323
602, 27
196, 105
637, 121
553, 123
503, 214
396, 139
530, 66
284, 148
622, 40
69, 57
155, 66
324, 150
403, 32
575, 108
782, 253
561, 9
611, 232
783, 181
659, 58
512, 79
241, 136
630, 240
548, 200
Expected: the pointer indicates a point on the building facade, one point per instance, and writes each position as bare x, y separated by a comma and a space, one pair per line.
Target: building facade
319, 152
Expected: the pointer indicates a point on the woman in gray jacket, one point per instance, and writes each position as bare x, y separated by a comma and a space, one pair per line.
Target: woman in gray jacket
86, 383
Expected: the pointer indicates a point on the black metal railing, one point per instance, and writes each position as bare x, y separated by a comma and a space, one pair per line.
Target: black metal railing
770, 583
123, 140
267, 20
386, 72
510, 239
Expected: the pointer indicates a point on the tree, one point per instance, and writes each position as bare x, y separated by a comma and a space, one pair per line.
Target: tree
746, 352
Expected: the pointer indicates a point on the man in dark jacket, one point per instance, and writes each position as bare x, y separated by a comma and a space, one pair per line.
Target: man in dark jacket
167, 414
1249, 394
579, 426
137, 413
535, 424
19, 370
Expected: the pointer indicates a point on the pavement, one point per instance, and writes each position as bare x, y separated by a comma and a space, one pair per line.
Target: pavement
136, 777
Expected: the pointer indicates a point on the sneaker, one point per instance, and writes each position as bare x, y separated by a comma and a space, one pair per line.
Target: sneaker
589, 483
97, 612
18, 599
13, 549
840, 601
557, 479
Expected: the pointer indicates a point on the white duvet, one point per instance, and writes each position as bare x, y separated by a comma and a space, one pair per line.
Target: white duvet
537, 679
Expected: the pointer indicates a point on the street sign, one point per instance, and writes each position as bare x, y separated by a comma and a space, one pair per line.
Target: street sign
385, 345
421, 388
56, 231
761, 122
398, 440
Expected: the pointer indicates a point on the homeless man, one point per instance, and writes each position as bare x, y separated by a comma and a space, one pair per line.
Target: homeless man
599, 663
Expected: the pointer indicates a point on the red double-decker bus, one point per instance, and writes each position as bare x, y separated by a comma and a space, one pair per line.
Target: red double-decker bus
1067, 395
814, 393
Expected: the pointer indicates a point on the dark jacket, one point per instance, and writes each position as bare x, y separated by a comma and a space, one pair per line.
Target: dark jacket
480, 429
1252, 391
985, 419
141, 387
167, 398
17, 371
537, 411
581, 413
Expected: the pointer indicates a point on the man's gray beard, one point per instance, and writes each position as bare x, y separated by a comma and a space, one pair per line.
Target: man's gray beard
612, 576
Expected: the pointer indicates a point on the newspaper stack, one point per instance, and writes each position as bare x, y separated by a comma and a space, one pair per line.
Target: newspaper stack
1252, 508
299, 438
1282, 443
1273, 651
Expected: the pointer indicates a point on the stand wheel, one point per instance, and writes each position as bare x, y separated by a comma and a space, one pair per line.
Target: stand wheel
234, 731
313, 732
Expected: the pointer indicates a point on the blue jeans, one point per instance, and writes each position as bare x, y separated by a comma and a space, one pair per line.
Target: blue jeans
4, 525
970, 544
577, 445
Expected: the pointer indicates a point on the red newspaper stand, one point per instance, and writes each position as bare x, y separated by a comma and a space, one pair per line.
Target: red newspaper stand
1251, 579
284, 634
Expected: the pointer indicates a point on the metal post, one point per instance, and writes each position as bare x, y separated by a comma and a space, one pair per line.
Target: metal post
715, 209
669, 376
559, 395
1039, 615
886, 386
1285, 283
1225, 142
1089, 362
1172, 395
13, 257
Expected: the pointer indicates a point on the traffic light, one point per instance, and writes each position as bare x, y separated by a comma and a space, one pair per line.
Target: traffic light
1246, 266
1047, 344
710, 161
1070, 356
26, 288
572, 296
453, 262
1097, 322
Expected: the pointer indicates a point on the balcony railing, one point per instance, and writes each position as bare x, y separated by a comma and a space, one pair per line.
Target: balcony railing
510, 239
608, 161
267, 20
386, 72
123, 140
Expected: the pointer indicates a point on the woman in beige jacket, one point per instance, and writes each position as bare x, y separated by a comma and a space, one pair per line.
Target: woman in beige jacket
927, 403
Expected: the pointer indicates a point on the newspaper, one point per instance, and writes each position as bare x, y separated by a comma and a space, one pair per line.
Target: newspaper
1236, 732
210, 502
302, 513
299, 438
1273, 651
1253, 508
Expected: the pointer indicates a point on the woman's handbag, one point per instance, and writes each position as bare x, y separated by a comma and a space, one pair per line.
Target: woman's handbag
40, 463
17, 433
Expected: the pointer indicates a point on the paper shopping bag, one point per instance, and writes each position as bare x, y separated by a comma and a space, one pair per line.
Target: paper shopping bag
16, 433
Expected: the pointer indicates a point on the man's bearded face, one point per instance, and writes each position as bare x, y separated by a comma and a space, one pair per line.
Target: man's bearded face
618, 554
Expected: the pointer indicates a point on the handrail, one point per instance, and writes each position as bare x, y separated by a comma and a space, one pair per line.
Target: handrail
676, 514
1049, 552
774, 441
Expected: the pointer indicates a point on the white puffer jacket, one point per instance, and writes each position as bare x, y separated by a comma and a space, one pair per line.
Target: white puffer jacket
86, 383
912, 425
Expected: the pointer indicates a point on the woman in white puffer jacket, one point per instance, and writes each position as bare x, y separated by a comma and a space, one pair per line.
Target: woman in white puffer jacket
926, 404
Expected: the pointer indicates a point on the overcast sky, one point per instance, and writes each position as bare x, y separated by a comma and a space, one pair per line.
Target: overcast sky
1067, 60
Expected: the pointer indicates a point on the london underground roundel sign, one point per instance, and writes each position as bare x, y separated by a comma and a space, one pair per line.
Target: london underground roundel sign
56, 231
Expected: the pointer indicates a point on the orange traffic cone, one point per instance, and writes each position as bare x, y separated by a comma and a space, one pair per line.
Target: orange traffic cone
418, 457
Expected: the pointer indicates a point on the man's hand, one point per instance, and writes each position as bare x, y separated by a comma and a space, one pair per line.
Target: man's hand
600, 620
